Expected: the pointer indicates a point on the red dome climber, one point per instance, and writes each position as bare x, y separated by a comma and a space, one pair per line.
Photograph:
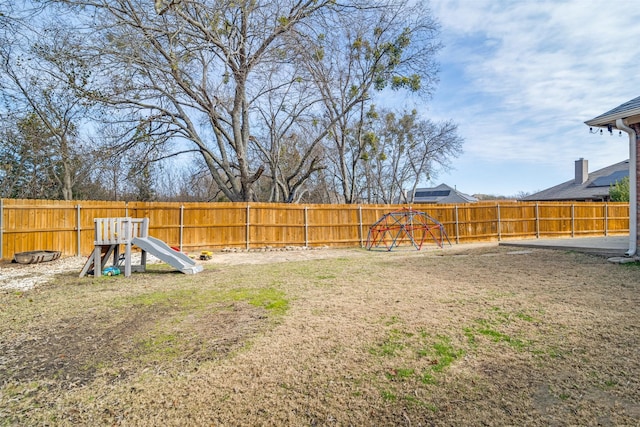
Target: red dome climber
405, 225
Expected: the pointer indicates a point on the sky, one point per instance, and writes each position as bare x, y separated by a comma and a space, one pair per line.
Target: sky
520, 78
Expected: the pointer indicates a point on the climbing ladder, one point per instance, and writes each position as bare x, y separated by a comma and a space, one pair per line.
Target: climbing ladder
110, 233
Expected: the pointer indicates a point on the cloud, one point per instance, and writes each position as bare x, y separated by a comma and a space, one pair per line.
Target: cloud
521, 77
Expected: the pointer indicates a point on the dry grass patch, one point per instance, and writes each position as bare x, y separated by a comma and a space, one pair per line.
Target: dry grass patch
478, 335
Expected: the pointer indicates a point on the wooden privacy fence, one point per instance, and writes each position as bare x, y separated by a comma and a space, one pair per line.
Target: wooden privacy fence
68, 226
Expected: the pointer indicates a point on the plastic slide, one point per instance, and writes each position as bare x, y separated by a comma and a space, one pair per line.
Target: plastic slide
163, 252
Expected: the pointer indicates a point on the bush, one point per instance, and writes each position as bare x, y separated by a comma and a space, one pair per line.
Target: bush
619, 192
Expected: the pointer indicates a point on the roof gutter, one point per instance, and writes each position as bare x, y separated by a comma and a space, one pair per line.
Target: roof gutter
633, 201
602, 121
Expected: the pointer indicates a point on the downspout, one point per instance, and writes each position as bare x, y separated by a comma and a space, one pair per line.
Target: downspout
633, 201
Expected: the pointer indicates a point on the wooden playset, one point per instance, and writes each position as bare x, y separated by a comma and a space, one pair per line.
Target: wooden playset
112, 233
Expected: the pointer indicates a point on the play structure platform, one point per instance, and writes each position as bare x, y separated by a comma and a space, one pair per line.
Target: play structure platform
112, 233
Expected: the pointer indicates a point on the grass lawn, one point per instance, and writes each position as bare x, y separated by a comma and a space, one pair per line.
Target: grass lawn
478, 335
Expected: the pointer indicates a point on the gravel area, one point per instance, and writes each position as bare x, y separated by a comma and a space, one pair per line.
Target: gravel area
24, 277
19, 277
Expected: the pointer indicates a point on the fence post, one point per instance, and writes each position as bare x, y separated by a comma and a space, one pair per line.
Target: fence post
181, 226
572, 220
606, 219
499, 225
457, 226
78, 230
306, 227
247, 230
360, 226
1, 225
537, 221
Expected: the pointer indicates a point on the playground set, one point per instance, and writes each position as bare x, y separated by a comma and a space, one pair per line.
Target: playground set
112, 233
405, 225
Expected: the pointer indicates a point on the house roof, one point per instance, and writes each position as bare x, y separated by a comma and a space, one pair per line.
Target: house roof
630, 110
596, 187
441, 194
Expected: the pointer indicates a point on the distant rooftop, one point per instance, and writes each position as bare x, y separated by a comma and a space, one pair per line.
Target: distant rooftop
442, 194
594, 186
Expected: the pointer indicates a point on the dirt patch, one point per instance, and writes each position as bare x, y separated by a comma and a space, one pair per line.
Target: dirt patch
67, 350
73, 351
472, 335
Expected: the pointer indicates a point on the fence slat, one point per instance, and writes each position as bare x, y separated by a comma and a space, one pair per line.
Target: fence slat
1, 227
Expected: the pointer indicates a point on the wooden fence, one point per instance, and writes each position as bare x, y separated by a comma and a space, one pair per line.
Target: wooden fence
68, 226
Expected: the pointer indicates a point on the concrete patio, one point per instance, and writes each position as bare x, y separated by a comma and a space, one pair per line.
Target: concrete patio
609, 246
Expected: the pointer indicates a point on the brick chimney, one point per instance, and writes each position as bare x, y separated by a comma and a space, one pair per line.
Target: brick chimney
582, 171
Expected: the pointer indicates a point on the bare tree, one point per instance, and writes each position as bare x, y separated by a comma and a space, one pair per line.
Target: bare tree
187, 78
435, 146
385, 45
287, 137
244, 83
40, 76
404, 150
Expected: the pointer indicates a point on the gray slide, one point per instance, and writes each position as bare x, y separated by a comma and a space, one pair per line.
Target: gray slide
163, 252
